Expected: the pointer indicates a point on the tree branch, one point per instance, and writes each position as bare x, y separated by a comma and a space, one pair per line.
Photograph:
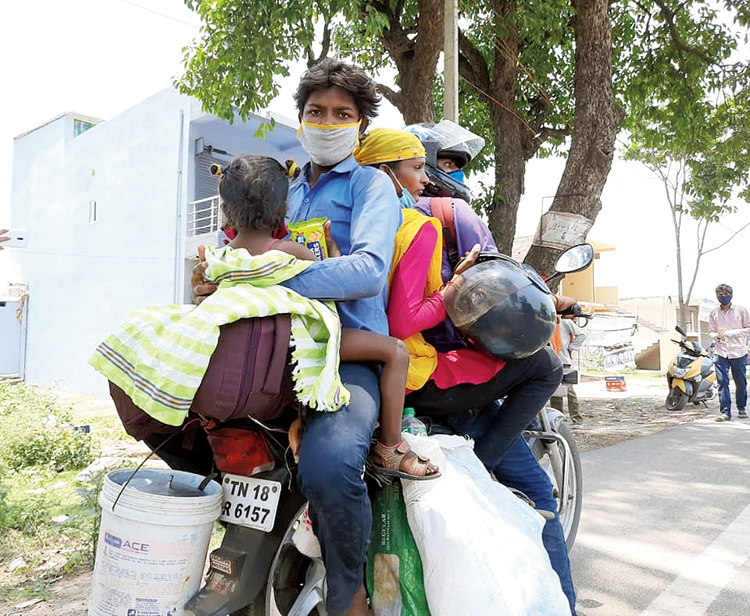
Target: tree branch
669, 16
735, 234
472, 64
393, 97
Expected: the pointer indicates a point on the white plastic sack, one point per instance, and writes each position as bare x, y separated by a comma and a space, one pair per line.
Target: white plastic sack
481, 546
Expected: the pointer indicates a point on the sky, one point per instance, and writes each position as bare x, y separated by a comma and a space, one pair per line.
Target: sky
100, 57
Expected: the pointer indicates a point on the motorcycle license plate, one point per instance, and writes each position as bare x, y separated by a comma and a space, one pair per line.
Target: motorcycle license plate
250, 502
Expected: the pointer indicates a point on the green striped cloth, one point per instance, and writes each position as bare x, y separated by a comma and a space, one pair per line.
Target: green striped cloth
159, 354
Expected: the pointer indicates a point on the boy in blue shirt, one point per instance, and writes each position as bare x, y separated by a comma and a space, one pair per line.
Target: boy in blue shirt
335, 103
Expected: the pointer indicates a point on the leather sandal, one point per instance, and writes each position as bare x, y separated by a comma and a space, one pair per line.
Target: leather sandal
389, 460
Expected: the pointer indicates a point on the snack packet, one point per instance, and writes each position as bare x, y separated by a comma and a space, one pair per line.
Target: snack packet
311, 234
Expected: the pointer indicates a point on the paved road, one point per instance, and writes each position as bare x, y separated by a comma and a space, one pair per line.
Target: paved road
665, 529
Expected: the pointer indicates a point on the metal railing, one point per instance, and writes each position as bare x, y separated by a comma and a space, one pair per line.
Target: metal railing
204, 216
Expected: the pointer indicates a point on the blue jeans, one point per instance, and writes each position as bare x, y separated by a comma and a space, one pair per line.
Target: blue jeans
331, 465
519, 469
737, 367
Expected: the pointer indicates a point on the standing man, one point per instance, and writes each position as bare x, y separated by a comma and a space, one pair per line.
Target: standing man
729, 325
571, 339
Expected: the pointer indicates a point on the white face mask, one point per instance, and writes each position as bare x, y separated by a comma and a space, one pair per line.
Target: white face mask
326, 144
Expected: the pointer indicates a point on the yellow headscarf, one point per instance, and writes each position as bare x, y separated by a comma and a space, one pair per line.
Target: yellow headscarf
422, 356
383, 145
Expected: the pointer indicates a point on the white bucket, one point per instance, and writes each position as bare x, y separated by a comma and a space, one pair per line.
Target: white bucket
152, 545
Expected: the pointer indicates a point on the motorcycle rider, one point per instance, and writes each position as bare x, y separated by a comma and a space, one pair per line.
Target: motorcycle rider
517, 468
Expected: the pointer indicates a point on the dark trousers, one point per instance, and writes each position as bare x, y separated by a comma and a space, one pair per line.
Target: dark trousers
331, 465
526, 384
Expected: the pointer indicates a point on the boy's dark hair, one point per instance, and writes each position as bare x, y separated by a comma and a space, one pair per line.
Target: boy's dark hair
330, 72
253, 192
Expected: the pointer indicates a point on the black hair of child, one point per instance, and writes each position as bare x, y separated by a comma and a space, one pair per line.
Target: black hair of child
331, 72
253, 192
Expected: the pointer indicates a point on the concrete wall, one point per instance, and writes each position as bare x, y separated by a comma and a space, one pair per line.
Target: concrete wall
85, 276
579, 285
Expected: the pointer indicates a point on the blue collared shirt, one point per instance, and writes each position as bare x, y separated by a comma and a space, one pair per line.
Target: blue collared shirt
365, 214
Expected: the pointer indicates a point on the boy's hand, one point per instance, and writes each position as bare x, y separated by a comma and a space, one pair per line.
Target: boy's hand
563, 303
468, 261
331, 245
3, 237
199, 287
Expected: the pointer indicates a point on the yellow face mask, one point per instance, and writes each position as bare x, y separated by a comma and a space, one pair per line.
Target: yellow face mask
329, 144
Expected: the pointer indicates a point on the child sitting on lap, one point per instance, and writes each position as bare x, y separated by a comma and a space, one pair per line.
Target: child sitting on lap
253, 192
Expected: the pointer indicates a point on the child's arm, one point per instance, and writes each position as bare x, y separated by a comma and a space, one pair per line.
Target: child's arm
296, 250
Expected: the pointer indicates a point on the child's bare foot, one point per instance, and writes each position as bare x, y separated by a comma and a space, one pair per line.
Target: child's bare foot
400, 461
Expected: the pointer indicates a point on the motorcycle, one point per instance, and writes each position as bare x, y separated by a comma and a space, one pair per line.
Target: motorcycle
690, 375
259, 569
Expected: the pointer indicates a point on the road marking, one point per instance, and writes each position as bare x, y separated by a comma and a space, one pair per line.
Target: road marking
701, 581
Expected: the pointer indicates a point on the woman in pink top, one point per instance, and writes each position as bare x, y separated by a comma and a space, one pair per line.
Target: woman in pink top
464, 379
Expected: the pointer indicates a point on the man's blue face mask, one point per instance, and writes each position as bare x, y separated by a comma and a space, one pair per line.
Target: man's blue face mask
457, 175
725, 300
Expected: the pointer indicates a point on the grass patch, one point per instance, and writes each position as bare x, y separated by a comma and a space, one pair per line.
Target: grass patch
50, 521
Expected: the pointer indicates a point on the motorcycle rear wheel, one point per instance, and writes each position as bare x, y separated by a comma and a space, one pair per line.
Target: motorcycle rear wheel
676, 400
296, 583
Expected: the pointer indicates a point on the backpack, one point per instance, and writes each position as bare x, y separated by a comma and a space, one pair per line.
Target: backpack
249, 374
442, 209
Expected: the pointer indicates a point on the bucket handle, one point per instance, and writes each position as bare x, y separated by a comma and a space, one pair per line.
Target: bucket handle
201, 486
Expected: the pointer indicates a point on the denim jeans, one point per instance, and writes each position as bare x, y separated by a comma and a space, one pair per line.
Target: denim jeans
331, 465
737, 367
519, 469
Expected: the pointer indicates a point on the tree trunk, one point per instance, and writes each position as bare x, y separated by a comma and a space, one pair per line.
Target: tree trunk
597, 119
416, 61
507, 129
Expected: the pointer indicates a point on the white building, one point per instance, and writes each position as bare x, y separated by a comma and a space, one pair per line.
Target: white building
113, 211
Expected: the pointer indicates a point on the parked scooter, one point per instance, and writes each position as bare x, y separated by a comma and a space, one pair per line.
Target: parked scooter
690, 376
258, 569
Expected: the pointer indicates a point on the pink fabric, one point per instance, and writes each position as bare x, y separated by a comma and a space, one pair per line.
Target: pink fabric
410, 312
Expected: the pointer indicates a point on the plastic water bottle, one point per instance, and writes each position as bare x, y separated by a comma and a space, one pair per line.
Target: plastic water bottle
411, 424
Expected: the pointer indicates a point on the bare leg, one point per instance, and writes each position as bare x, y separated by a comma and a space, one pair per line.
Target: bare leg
359, 345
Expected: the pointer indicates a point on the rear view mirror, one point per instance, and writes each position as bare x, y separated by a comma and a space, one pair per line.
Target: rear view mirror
575, 259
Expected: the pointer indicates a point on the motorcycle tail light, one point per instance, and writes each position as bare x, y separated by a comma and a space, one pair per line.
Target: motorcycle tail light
240, 451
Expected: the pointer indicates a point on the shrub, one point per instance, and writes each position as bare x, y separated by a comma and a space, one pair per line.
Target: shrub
37, 431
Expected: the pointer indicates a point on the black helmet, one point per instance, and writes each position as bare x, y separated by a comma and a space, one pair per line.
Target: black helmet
446, 139
504, 307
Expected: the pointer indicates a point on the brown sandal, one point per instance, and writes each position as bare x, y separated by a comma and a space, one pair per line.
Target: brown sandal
389, 460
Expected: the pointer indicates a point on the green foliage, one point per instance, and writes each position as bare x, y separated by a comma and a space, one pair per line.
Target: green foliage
244, 48
688, 94
37, 431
